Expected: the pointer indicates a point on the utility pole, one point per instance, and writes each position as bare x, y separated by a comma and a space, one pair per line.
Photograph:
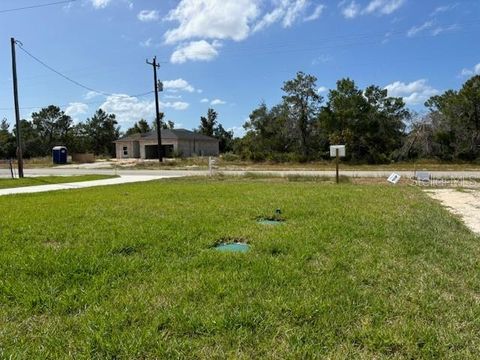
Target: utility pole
157, 88
17, 111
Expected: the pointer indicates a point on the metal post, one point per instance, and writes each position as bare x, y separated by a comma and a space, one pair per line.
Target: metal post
17, 110
336, 163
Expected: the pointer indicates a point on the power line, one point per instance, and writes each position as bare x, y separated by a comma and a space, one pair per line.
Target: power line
59, 73
37, 6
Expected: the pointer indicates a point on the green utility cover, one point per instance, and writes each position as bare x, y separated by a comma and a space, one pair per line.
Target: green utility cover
235, 247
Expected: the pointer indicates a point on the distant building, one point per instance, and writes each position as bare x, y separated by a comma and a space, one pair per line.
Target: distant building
175, 142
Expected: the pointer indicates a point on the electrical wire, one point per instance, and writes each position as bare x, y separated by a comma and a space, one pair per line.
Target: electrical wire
37, 6
20, 46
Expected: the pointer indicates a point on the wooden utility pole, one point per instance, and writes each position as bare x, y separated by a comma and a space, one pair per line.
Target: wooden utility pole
17, 111
157, 107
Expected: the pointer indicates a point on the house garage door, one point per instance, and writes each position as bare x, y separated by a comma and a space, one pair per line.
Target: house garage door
151, 151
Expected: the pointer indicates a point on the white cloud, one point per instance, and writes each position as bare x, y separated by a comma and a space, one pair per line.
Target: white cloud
129, 109
383, 7
91, 94
379, 7
350, 11
178, 85
288, 11
195, 51
316, 13
170, 96
439, 29
443, 9
293, 11
218, 102
146, 43
212, 19
414, 93
148, 15
238, 131
204, 100
177, 105
418, 29
470, 72
269, 18
100, 4
322, 89
76, 108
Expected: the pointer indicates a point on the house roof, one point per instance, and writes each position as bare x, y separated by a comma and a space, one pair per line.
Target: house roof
179, 134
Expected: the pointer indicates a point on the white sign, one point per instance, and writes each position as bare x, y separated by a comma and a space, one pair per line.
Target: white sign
394, 178
341, 150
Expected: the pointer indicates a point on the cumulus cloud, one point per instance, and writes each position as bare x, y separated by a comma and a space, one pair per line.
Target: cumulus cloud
100, 4
76, 108
204, 100
178, 85
217, 102
148, 15
414, 93
91, 94
129, 109
211, 19
322, 89
196, 51
470, 72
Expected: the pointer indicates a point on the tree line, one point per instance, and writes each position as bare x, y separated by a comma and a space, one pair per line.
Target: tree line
375, 127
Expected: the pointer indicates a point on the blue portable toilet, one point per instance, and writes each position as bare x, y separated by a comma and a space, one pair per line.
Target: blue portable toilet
59, 154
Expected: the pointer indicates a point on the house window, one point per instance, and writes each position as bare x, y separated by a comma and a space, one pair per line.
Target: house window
125, 151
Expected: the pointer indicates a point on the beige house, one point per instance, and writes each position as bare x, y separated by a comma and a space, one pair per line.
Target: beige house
175, 142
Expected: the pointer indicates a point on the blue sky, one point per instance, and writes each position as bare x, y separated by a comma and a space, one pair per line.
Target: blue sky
230, 54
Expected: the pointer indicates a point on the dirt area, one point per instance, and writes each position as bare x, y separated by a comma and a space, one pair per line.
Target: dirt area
462, 202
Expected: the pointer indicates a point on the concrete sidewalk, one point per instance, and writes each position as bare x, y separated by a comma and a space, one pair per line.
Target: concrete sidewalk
123, 179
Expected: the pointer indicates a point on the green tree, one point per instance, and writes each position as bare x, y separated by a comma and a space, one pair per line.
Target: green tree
139, 127
207, 124
53, 127
7, 141
102, 130
370, 123
225, 138
303, 104
457, 130
168, 125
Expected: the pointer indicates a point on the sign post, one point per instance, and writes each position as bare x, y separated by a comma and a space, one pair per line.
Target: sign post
336, 162
337, 151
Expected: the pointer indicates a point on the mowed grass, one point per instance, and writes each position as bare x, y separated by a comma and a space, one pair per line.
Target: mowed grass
128, 272
47, 180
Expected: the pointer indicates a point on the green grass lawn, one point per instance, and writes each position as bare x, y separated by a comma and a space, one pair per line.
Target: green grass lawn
128, 272
47, 180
